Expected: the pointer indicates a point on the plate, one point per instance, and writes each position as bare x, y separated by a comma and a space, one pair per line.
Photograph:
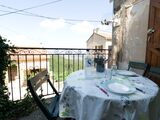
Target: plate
120, 88
126, 73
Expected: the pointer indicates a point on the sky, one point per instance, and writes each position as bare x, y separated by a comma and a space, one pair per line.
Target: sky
53, 23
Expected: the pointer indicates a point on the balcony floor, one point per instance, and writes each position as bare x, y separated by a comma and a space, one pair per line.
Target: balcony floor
36, 115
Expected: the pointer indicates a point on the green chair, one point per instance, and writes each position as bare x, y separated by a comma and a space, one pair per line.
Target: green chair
138, 67
154, 71
34, 84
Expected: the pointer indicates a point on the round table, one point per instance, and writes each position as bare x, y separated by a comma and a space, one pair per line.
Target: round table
90, 99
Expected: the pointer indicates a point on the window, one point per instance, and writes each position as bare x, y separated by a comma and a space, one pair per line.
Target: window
100, 47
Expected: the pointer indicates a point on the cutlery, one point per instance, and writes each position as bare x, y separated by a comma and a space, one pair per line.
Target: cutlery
140, 90
104, 91
133, 76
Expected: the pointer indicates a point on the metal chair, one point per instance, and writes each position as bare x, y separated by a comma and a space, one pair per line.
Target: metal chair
154, 71
138, 67
52, 111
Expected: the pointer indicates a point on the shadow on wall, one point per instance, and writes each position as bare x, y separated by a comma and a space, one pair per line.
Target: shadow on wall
120, 62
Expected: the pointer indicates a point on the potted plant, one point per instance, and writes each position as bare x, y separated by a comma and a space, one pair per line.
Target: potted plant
100, 63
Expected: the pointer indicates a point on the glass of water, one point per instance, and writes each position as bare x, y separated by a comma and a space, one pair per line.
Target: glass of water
114, 69
108, 74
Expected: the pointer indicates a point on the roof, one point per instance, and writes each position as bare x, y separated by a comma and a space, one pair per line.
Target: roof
107, 36
104, 34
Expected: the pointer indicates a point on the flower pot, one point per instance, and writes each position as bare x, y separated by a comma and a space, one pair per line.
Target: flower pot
100, 67
100, 64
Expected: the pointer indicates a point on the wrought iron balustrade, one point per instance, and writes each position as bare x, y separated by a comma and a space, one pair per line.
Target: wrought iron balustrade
60, 62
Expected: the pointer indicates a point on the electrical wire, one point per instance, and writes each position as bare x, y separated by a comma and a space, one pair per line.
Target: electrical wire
18, 11
35, 15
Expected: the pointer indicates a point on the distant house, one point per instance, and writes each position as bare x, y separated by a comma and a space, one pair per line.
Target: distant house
99, 40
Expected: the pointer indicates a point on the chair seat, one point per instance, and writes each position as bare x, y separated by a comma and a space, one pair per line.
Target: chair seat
34, 84
54, 106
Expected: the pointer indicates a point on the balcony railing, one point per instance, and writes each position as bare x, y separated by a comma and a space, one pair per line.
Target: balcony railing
60, 62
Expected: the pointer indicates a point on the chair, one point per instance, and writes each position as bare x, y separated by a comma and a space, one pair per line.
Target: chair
138, 67
34, 84
153, 72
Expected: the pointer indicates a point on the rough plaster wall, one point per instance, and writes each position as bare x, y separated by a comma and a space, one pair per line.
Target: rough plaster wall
131, 35
136, 35
118, 35
117, 4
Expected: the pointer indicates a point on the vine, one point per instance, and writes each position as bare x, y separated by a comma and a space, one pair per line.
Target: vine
9, 110
5, 103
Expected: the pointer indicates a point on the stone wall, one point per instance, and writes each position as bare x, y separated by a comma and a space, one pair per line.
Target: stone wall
130, 32
96, 40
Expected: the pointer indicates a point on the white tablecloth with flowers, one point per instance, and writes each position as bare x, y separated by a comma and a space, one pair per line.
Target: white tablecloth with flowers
84, 99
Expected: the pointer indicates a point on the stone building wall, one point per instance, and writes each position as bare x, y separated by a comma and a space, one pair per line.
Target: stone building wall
96, 40
130, 24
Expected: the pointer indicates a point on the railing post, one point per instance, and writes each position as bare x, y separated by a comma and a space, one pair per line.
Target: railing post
62, 62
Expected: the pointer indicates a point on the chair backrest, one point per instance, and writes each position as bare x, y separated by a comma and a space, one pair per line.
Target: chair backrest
138, 67
34, 84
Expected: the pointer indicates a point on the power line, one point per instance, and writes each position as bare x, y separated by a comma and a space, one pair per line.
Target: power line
17, 10
41, 16
36, 15
17, 13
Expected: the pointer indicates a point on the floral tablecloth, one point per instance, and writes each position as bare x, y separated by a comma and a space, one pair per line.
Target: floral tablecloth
83, 99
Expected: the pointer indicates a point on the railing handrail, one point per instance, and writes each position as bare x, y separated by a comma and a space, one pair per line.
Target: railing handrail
48, 48
60, 62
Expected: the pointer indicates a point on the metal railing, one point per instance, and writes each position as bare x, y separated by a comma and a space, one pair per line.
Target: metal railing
60, 62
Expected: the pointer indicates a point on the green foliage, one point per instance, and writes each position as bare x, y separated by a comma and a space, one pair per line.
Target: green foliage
17, 109
5, 103
61, 66
21, 108
4, 59
9, 109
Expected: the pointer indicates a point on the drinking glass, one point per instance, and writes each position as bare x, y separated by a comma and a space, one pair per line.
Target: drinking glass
114, 69
108, 74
